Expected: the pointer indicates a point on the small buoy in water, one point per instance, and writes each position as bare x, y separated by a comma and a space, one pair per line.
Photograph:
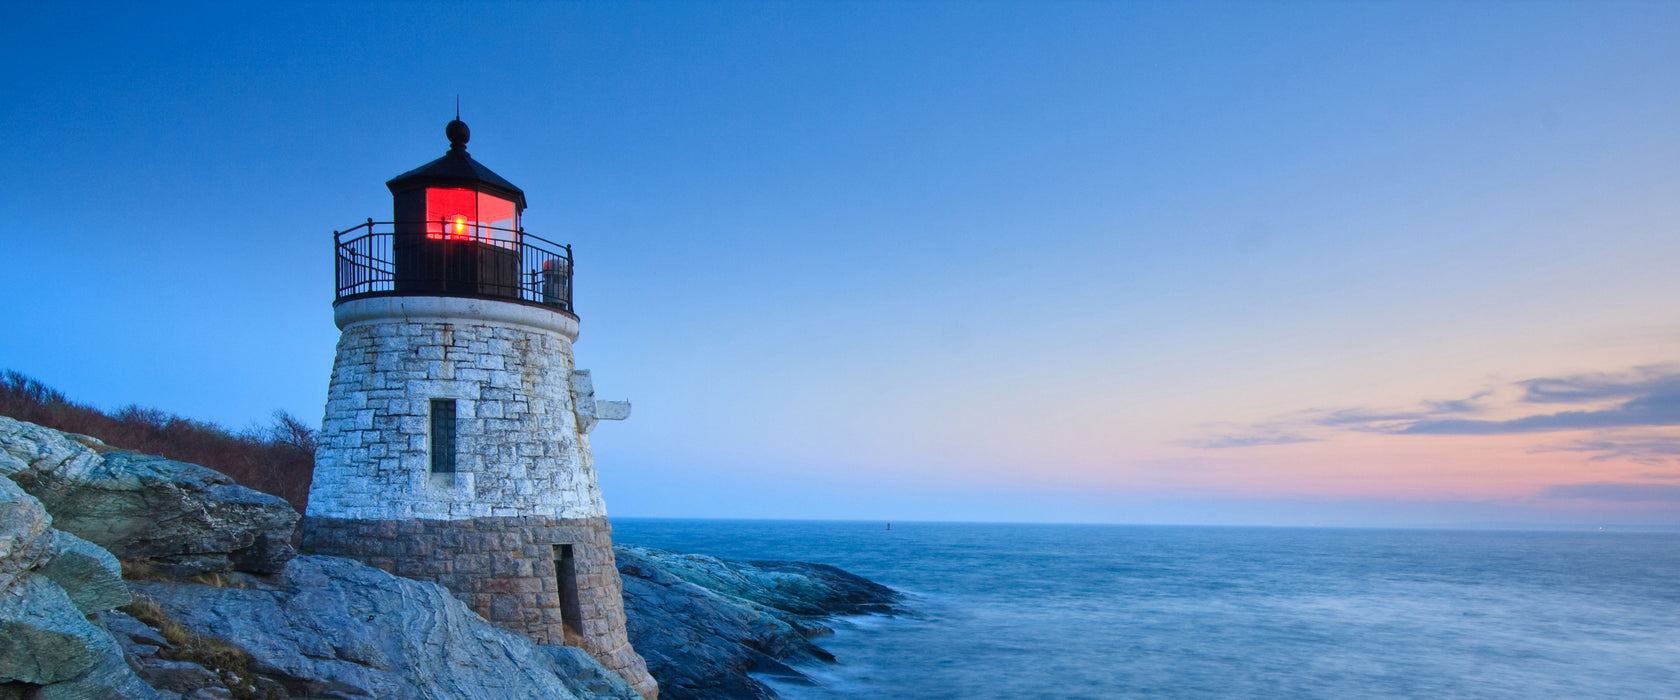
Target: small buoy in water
889, 526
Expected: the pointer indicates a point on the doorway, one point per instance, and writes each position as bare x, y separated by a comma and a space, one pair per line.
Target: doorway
565, 581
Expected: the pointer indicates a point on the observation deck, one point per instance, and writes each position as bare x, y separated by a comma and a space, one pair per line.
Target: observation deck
446, 258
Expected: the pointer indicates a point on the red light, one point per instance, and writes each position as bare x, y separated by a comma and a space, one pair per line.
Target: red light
463, 214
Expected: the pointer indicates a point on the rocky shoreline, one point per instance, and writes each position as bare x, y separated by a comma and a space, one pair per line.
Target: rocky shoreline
705, 624
132, 576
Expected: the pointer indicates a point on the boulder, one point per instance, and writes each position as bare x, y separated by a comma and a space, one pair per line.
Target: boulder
110, 679
47, 639
49, 581
186, 518
52, 650
138, 640
332, 628
90, 575
26, 538
588, 678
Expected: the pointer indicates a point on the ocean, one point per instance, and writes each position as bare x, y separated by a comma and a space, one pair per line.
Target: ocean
1096, 611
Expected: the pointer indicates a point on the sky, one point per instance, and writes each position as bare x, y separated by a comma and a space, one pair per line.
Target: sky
1324, 264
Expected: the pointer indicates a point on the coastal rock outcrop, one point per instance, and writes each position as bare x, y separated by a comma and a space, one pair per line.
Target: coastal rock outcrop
330, 627
223, 608
226, 609
183, 518
706, 624
49, 582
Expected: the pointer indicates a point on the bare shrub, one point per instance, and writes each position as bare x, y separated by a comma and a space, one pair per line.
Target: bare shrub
278, 458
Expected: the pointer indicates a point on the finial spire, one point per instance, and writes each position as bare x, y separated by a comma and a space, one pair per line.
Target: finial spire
457, 130
458, 135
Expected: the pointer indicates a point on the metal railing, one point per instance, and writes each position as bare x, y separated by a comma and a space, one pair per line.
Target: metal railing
434, 258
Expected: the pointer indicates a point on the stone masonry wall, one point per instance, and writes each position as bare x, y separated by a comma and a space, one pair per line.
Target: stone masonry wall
504, 569
519, 451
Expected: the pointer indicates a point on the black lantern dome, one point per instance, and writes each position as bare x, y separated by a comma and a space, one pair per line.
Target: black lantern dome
456, 169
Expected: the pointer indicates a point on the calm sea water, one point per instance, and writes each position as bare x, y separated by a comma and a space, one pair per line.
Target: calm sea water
1073, 611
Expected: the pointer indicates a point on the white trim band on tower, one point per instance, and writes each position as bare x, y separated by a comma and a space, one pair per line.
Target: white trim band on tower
453, 310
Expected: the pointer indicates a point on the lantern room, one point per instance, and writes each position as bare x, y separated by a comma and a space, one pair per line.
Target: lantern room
457, 198
462, 214
455, 231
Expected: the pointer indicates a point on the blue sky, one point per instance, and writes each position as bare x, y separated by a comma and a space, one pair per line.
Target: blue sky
1115, 262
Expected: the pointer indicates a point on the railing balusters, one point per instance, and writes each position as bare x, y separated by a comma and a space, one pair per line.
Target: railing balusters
367, 266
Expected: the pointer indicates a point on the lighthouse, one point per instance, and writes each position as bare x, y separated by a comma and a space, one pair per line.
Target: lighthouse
455, 446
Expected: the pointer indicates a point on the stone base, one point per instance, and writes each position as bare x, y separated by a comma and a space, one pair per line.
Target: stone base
509, 570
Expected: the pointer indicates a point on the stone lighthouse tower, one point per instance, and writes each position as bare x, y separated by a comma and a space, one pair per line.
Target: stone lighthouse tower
455, 446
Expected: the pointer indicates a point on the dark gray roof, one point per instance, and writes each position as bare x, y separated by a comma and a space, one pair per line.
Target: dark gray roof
457, 169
